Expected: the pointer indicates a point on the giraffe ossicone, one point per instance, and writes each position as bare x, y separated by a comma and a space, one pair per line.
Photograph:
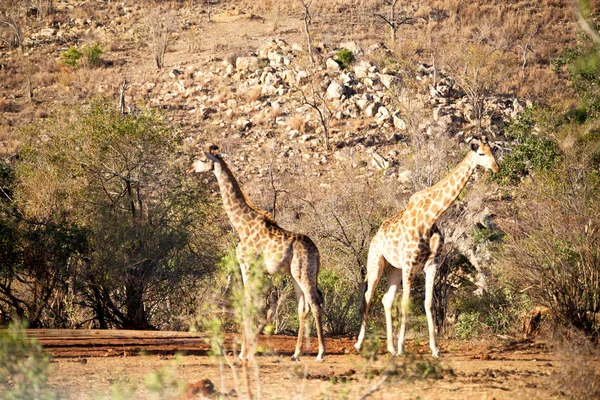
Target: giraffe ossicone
261, 238
410, 242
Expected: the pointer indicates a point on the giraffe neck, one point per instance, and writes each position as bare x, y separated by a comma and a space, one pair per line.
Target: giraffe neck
445, 192
239, 209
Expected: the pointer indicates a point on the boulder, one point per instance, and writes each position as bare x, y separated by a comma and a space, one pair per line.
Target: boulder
332, 65
335, 91
388, 80
378, 161
399, 122
247, 63
47, 32
371, 109
405, 177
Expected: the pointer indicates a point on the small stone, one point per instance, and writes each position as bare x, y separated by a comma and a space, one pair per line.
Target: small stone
332, 65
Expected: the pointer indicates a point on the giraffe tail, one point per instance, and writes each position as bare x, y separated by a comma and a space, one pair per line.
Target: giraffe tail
320, 296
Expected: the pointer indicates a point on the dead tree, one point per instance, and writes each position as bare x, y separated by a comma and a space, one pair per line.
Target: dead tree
307, 20
393, 20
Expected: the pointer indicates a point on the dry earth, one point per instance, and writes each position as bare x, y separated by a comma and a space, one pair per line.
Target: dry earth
87, 364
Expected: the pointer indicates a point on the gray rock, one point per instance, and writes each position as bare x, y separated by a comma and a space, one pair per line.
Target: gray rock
48, 32
399, 122
388, 80
379, 162
335, 91
332, 65
247, 63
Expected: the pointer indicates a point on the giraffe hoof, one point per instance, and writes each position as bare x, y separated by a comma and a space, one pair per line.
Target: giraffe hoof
295, 358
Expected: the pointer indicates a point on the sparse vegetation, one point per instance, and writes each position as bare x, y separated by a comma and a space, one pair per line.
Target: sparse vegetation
344, 57
23, 366
100, 226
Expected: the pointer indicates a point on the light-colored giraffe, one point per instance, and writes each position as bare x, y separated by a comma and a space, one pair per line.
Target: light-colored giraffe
410, 241
261, 238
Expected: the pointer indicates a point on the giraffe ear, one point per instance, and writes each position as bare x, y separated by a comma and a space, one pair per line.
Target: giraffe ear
212, 152
474, 144
212, 149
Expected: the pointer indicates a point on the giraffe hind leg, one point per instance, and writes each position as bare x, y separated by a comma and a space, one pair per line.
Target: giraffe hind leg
394, 276
306, 288
431, 266
302, 313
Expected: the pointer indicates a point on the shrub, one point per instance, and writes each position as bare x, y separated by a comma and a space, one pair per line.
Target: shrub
340, 305
89, 54
531, 151
467, 325
554, 244
23, 366
495, 311
71, 56
92, 55
577, 377
344, 58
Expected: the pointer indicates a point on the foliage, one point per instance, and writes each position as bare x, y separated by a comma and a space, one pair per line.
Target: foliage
409, 368
530, 152
554, 245
23, 366
495, 311
467, 325
344, 58
340, 305
127, 230
71, 56
92, 54
577, 378
163, 384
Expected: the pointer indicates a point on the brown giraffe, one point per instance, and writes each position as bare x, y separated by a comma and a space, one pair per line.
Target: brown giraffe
410, 241
261, 238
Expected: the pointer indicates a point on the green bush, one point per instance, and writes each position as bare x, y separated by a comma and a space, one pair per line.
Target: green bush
344, 58
555, 251
467, 325
495, 311
531, 151
71, 56
23, 366
92, 54
340, 305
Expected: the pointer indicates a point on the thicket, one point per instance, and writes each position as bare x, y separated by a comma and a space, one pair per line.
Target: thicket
23, 366
101, 225
553, 242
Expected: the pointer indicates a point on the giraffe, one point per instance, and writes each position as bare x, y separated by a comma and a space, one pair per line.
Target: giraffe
410, 241
261, 238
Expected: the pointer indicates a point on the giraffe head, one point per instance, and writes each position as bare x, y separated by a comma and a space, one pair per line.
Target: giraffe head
208, 163
483, 154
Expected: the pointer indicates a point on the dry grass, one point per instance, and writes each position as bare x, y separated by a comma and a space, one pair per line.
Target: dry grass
578, 378
254, 93
297, 123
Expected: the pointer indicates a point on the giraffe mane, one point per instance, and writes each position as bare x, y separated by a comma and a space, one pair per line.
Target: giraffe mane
214, 150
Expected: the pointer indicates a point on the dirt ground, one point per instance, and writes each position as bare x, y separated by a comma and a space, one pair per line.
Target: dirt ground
89, 364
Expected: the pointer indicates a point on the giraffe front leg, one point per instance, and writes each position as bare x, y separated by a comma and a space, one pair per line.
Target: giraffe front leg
429, 280
375, 266
406, 282
244, 262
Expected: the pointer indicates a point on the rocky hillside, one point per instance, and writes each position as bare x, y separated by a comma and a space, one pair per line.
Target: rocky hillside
240, 75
